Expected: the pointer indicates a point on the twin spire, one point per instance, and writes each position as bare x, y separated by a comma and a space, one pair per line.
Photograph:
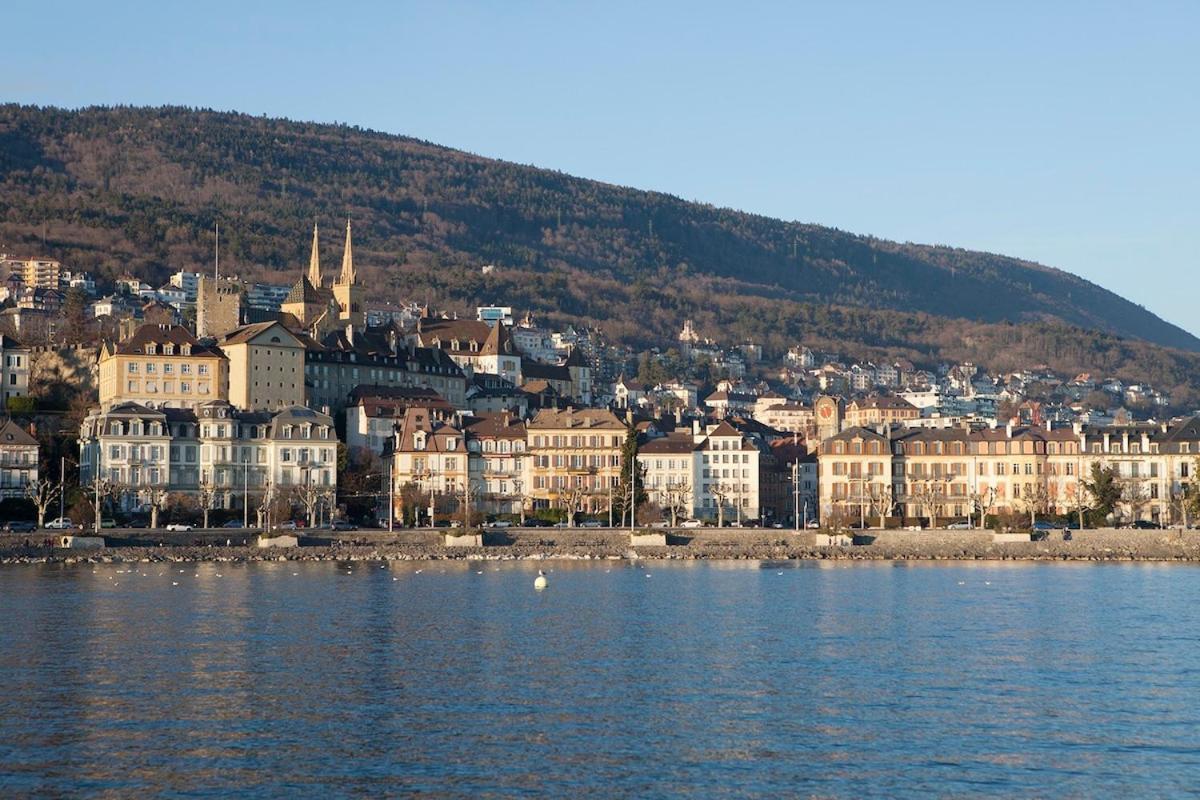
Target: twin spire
314, 261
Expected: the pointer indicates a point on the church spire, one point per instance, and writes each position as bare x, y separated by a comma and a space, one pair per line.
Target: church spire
347, 276
314, 261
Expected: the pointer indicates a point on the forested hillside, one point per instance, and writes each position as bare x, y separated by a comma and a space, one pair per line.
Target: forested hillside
118, 190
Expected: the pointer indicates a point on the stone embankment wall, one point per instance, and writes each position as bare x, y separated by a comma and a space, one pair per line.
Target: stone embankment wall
1096, 545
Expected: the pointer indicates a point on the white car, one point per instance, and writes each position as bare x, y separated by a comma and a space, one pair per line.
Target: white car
60, 524
179, 527
691, 523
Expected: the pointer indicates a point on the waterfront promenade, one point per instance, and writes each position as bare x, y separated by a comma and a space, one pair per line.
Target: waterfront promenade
511, 544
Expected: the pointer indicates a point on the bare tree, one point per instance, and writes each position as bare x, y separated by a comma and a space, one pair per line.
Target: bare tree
468, 496
981, 500
42, 493
1136, 496
676, 499
309, 497
206, 495
1181, 501
882, 500
519, 497
101, 490
721, 492
1036, 500
157, 497
572, 497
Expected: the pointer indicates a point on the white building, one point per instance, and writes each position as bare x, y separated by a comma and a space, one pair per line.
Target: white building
18, 459
14, 368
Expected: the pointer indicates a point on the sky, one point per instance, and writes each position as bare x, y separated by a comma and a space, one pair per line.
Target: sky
1065, 133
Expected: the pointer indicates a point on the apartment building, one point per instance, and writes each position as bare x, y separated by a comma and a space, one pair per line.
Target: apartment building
266, 367
498, 441
575, 458
14, 368
238, 458
18, 459
162, 366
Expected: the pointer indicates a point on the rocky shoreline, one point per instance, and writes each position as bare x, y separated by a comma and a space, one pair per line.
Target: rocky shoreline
1088, 546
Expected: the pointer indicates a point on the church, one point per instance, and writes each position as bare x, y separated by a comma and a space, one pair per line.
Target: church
318, 310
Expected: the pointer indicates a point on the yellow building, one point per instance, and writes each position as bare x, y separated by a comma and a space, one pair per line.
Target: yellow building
266, 367
162, 366
574, 458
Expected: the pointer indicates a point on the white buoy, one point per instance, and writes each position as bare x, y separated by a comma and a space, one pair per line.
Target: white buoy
539, 582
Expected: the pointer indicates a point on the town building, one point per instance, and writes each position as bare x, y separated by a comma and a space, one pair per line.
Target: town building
14, 368
575, 458
266, 367
162, 366
215, 452
18, 459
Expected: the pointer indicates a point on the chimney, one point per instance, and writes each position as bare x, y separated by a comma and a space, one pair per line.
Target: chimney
1008, 429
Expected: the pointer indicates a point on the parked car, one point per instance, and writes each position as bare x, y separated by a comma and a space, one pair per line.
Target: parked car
535, 522
108, 522
813, 524
288, 525
959, 526
179, 527
342, 525
662, 523
691, 523
1145, 525
593, 523
233, 523
500, 523
1043, 525
60, 524
20, 526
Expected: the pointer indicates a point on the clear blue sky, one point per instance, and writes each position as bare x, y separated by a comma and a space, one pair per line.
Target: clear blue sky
1066, 133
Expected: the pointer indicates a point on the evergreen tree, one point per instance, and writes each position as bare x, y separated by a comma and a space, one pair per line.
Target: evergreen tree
1104, 489
629, 451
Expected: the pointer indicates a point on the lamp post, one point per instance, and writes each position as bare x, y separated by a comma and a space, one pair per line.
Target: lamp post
245, 489
796, 494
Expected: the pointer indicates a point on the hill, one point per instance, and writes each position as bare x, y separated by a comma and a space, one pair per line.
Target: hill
138, 190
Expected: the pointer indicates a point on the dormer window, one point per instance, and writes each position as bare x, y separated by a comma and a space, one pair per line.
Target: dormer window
185, 349
168, 349
151, 349
454, 344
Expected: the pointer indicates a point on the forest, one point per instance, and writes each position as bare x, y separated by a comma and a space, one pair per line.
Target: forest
118, 190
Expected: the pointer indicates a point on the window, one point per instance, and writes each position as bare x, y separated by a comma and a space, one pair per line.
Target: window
150, 368
185, 369
202, 369
133, 367
168, 369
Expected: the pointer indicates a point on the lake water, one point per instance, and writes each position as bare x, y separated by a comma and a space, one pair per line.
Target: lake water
705, 679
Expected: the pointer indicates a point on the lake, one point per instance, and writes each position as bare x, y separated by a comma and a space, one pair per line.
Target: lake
709, 679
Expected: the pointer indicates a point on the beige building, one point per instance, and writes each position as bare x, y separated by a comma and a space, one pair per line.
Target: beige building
880, 410
162, 366
575, 458
266, 367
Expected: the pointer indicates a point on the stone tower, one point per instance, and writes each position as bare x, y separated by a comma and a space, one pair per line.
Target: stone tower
346, 292
218, 306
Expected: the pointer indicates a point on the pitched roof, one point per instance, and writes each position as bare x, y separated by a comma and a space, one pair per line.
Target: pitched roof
304, 292
12, 434
577, 418
548, 372
672, 443
166, 334
247, 332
